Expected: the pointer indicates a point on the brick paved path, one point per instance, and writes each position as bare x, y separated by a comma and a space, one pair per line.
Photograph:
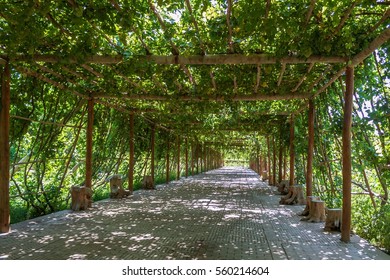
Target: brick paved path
223, 214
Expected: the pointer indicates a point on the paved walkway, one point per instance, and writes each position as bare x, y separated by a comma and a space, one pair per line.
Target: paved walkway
223, 214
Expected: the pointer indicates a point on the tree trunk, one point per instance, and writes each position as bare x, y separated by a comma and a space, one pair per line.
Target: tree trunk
333, 220
317, 211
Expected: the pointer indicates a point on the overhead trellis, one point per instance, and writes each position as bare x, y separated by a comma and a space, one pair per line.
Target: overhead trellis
129, 54
211, 70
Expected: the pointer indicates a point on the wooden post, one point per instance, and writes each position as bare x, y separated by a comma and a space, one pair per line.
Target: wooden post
4, 149
153, 134
285, 164
274, 162
257, 160
186, 143
192, 159
167, 162
260, 164
269, 161
205, 158
347, 161
131, 158
178, 158
310, 151
292, 152
280, 177
200, 157
88, 160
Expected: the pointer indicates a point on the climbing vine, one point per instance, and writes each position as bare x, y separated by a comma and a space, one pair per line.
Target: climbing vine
125, 54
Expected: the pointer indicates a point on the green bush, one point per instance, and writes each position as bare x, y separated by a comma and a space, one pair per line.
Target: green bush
372, 225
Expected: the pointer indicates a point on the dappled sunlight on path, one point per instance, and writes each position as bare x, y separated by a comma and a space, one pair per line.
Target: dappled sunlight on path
222, 214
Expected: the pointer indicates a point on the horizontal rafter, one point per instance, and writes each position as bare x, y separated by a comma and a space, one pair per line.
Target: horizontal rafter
252, 97
217, 59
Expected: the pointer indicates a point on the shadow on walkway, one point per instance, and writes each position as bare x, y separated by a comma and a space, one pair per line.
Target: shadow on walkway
226, 213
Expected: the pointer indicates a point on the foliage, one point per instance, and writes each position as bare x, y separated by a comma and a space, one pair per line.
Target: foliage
48, 106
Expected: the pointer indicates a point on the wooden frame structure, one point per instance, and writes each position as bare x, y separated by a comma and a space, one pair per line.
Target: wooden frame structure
45, 67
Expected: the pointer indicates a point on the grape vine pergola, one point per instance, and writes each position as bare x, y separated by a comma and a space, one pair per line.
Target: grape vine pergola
246, 65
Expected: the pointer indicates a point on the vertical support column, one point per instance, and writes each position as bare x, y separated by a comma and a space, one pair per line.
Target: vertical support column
167, 162
201, 157
186, 143
205, 158
268, 161
88, 160
347, 161
280, 174
274, 161
178, 158
152, 161
285, 164
197, 159
192, 159
292, 151
131, 158
310, 150
257, 160
4, 149
260, 165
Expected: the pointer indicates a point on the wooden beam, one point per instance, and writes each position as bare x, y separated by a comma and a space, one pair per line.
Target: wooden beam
5, 149
357, 59
212, 59
119, 9
258, 77
230, 31
310, 150
175, 50
385, 16
213, 80
43, 122
281, 74
189, 8
344, 18
253, 59
93, 71
292, 151
303, 78
249, 97
310, 11
43, 78
131, 82
88, 159
347, 160
376, 43
267, 8
131, 156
